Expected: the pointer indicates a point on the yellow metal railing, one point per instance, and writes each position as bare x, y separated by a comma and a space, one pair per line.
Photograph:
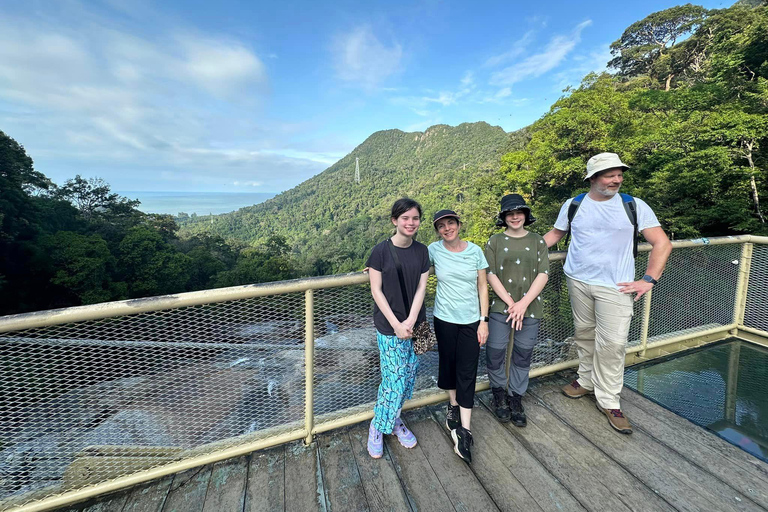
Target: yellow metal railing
226, 338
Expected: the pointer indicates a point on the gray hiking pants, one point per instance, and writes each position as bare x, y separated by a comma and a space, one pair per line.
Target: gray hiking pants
508, 353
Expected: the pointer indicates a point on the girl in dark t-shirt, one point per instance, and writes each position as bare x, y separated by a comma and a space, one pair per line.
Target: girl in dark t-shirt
394, 325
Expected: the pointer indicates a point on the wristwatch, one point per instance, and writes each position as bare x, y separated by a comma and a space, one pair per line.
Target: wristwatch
649, 279
484, 319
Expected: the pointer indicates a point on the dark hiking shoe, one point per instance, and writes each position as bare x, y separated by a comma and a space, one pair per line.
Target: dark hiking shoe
576, 390
452, 417
618, 421
462, 443
499, 404
516, 411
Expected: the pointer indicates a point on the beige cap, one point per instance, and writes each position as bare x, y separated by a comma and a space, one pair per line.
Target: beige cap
602, 162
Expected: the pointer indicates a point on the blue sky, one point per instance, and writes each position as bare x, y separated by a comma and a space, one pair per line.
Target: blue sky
235, 96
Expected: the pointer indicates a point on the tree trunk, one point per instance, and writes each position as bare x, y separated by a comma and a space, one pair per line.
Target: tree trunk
669, 81
755, 197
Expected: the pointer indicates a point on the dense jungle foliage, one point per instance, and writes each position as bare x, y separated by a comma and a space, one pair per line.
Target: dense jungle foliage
686, 107
82, 244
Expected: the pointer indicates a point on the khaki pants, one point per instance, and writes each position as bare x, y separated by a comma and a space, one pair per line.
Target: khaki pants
601, 318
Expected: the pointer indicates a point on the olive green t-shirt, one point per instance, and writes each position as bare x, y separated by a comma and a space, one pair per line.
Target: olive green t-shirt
517, 262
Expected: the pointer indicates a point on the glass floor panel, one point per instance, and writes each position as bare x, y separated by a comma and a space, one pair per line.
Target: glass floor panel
721, 387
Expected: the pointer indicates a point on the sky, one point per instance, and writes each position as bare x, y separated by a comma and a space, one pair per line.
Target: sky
258, 96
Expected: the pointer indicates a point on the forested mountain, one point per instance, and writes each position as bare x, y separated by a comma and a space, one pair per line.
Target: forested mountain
331, 221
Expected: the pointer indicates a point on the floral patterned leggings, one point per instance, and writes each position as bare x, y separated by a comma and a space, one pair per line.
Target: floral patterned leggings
398, 374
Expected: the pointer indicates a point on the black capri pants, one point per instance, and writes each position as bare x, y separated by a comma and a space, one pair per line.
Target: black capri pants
459, 352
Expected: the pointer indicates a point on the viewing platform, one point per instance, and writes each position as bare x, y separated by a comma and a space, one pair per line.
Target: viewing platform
258, 397
566, 459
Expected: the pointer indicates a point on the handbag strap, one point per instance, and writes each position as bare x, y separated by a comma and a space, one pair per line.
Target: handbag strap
399, 268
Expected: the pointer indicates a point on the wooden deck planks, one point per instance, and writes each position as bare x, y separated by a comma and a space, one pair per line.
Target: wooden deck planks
383, 490
226, 488
679, 482
510, 473
422, 486
188, 490
265, 491
343, 487
460, 484
148, 497
113, 503
303, 480
595, 480
740, 470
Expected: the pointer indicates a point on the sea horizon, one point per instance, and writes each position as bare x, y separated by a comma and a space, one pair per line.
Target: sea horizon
172, 202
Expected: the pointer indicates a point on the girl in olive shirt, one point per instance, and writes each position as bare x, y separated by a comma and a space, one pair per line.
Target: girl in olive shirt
518, 271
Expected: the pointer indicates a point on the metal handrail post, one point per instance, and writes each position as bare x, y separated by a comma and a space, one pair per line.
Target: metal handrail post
742, 284
646, 322
309, 364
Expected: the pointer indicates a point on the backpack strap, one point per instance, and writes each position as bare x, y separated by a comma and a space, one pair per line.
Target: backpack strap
630, 206
572, 209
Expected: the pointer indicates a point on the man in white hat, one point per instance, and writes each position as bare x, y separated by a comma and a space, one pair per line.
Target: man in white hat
600, 270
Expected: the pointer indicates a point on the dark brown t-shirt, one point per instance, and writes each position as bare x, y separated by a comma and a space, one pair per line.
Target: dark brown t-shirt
414, 261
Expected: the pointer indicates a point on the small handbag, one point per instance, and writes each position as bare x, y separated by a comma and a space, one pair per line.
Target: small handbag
423, 337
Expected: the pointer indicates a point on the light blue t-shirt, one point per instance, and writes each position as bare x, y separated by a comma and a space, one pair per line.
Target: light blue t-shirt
456, 299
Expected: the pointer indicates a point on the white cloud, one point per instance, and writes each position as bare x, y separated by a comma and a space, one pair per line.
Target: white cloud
85, 95
504, 97
360, 58
445, 98
223, 68
419, 104
536, 65
594, 61
518, 47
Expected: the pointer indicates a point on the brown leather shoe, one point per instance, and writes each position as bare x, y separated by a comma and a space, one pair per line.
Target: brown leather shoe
618, 421
575, 390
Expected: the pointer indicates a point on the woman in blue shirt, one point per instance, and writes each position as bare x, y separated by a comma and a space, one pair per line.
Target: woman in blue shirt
461, 322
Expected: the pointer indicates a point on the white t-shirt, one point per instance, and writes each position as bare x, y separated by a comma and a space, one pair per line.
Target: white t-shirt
602, 236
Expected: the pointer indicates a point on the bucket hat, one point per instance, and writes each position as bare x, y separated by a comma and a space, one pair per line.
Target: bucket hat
443, 214
603, 161
511, 203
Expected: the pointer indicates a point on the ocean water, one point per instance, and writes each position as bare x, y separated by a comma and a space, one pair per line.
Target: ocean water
201, 203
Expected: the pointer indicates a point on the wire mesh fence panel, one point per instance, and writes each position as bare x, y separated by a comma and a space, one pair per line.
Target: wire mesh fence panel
697, 290
346, 369
143, 390
756, 312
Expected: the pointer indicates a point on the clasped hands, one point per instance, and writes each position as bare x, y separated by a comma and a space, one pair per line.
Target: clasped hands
516, 312
404, 329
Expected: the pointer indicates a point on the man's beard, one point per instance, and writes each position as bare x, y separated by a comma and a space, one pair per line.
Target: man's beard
607, 192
